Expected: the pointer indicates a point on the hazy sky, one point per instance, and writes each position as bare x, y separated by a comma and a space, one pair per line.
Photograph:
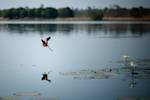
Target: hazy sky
73, 3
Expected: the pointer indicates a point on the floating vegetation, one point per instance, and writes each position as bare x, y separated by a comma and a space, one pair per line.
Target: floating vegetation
94, 73
139, 63
9, 98
106, 73
27, 94
131, 98
110, 73
131, 70
44, 98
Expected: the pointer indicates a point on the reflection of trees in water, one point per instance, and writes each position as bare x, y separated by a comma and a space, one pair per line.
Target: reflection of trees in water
134, 29
25, 28
110, 30
41, 28
119, 30
140, 28
113, 30
65, 28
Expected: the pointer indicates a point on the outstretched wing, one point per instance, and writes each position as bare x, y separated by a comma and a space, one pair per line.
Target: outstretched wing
43, 41
43, 78
48, 38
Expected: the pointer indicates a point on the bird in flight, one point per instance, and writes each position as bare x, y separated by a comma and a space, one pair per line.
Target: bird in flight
45, 42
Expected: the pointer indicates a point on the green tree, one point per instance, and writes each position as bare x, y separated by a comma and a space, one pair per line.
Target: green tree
22, 12
32, 13
65, 12
136, 12
1, 13
7, 13
95, 14
50, 12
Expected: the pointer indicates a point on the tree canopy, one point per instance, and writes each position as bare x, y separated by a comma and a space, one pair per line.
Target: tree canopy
93, 13
66, 12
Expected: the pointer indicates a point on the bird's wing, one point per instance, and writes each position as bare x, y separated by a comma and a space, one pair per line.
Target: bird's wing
48, 38
46, 77
43, 41
43, 78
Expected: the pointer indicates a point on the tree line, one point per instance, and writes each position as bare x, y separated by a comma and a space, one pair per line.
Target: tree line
136, 12
93, 13
113, 11
41, 12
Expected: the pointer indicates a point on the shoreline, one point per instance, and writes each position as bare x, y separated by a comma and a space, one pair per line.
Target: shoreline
109, 20
126, 18
80, 19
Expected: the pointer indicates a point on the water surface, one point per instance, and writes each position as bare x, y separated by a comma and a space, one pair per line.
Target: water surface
76, 46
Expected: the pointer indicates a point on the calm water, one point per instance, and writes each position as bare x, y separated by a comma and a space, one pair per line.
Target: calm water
76, 46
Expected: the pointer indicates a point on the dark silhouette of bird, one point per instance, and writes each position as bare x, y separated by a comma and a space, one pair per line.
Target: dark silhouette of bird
45, 77
45, 42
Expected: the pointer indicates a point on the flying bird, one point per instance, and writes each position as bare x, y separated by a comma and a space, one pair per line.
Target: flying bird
45, 42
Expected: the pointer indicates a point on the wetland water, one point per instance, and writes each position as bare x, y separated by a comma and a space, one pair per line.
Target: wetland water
76, 46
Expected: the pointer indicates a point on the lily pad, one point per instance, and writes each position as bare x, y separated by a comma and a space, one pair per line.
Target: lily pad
27, 93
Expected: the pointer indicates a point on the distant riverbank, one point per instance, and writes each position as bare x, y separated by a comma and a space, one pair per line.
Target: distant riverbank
146, 18
47, 19
80, 19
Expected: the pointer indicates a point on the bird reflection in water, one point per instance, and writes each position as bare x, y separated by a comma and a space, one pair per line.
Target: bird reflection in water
45, 77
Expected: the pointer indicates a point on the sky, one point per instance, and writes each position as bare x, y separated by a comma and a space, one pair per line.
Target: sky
73, 3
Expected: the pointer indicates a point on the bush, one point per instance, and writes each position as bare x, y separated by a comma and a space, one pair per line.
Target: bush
65, 12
